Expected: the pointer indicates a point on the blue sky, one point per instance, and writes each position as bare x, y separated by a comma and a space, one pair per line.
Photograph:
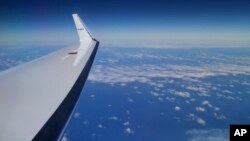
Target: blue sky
171, 23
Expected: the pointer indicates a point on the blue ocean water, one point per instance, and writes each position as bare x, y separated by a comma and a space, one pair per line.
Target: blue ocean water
157, 94
160, 94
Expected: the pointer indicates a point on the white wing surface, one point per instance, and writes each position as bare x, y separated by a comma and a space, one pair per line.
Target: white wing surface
37, 98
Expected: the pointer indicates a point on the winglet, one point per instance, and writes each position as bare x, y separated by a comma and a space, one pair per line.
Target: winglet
84, 34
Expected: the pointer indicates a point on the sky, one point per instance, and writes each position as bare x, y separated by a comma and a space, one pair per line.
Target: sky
166, 23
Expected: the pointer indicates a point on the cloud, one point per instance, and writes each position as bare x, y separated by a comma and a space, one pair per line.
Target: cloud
200, 90
200, 109
219, 117
146, 72
113, 118
225, 96
170, 99
179, 93
130, 100
201, 121
100, 126
128, 131
177, 108
160, 99
207, 103
207, 135
92, 96
77, 114
156, 94
176, 43
126, 123
190, 80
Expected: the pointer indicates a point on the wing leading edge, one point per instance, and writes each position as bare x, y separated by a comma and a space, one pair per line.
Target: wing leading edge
38, 97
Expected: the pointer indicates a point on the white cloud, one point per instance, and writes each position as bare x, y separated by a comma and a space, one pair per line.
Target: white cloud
201, 121
77, 114
161, 99
200, 109
207, 103
225, 96
113, 118
145, 73
216, 108
156, 94
177, 108
130, 100
126, 123
170, 99
200, 90
192, 99
123, 84
226, 91
129, 131
176, 43
207, 135
92, 96
100, 126
219, 117
179, 93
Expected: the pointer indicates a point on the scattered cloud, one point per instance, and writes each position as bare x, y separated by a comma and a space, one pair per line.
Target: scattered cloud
182, 79
113, 118
226, 96
207, 103
160, 99
100, 126
201, 121
177, 108
219, 116
156, 94
130, 100
179, 93
200, 90
200, 109
126, 123
77, 114
170, 99
216, 108
145, 73
129, 131
207, 135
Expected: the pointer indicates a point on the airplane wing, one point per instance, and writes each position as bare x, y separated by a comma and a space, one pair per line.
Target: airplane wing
37, 98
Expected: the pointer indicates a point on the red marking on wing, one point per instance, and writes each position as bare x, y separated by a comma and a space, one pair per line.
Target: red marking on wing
72, 53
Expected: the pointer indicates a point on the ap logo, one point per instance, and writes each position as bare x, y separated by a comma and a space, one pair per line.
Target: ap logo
239, 132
